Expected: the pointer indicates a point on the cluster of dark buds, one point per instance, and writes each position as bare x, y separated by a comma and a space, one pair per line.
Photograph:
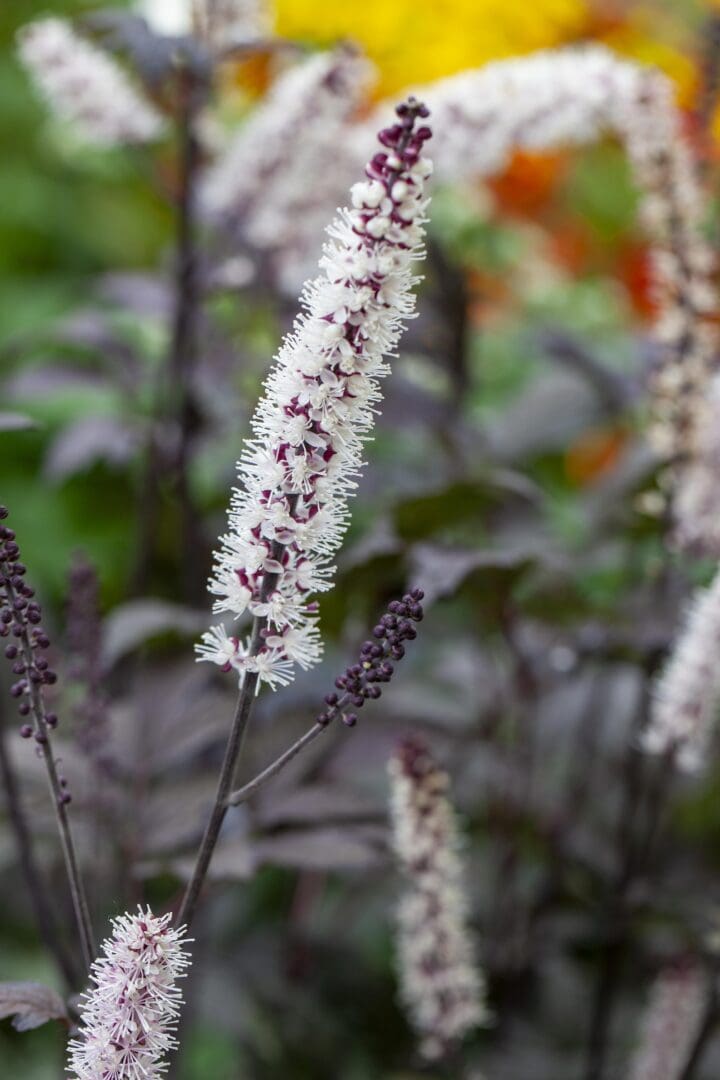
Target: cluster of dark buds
361, 681
404, 138
20, 619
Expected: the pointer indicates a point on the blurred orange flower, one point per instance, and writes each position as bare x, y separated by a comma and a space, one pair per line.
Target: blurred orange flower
594, 454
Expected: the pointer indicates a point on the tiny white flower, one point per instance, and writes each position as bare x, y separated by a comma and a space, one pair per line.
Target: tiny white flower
272, 667
220, 649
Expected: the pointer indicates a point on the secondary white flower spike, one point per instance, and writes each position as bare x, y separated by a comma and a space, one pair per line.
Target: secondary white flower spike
128, 1018
85, 87
672, 207
281, 177
696, 503
440, 983
671, 1023
289, 516
575, 96
549, 99
687, 695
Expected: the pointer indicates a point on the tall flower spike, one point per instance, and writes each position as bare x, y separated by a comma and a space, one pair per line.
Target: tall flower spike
129, 1016
290, 514
671, 1023
672, 208
440, 984
85, 86
281, 176
688, 691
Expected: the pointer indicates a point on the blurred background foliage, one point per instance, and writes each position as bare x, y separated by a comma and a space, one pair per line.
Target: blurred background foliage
503, 478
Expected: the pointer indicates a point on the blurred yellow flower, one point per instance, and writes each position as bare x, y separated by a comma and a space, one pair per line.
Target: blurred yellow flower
415, 41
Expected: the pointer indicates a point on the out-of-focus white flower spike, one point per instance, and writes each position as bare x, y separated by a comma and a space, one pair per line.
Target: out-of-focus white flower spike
441, 984
289, 166
86, 87
687, 694
672, 1022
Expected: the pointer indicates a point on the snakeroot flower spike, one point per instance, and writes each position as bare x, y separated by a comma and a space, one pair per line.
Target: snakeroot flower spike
85, 86
687, 694
440, 984
288, 517
672, 1022
128, 1018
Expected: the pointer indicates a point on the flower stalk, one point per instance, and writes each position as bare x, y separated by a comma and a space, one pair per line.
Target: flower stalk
20, 618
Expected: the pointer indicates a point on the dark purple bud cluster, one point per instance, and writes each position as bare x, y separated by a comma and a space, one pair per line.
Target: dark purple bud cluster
361, 681
404, 142
403, 138
20, 622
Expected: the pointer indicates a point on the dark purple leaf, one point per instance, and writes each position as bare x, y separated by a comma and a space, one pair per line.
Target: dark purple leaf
440, 571
314, 804
136, 622
357, 847
51, 379
87, 441
31, 1004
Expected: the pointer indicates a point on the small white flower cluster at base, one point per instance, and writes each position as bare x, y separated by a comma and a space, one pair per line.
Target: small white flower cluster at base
128, 1018
290, 514
85, 86
440, 983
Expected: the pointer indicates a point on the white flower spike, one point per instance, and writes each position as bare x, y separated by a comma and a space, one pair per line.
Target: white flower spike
440, 983
289, 516
687, 694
